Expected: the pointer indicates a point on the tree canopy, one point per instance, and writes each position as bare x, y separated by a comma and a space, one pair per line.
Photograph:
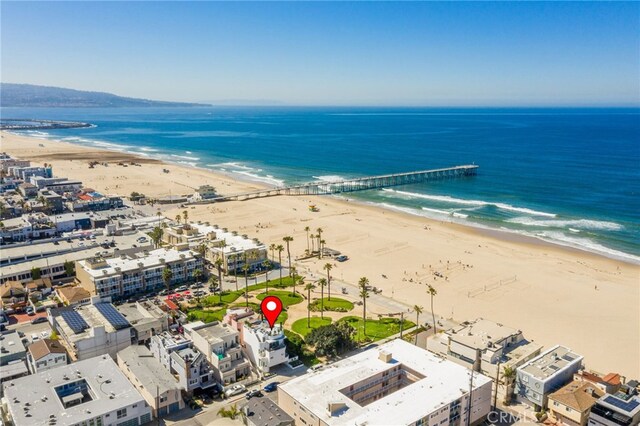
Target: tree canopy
332, 340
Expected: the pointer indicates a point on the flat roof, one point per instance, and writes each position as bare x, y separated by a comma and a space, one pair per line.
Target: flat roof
148, 370
132, 261
215, 331
550, 362
90, 314
237, 242
443, 382
479, 333
103, 377
10, 344
265, 412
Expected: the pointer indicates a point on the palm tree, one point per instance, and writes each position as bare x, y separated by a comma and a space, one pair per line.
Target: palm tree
322, 282
319, 231
167, 274
231, 413
201, 249
280, 250
156, 236
197, 275
432, 292
300, 281
328, 267
508, 374
245, 268
307, 229
178, 219
218, 263
418, 310
287, 240
313, 243
266, 264
308, 287
185, 215
272, 248
364, 293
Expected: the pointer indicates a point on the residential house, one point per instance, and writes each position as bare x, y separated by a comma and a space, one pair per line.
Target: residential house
13, 295
571, 404
265, 412
72, 295
46, 354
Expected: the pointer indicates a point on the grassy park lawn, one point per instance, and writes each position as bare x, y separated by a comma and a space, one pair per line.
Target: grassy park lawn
205, 315
376, 329
286, 297
335, 304
300, 326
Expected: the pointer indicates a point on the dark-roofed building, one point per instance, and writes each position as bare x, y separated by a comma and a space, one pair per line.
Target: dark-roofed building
13, 295
265, 412
619, 409
45, 354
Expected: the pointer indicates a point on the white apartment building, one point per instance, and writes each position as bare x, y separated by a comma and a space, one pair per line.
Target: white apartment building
92, 330
396, 383
128, 274
93, 392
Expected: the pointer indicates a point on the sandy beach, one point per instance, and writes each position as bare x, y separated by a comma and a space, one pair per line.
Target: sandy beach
555, 295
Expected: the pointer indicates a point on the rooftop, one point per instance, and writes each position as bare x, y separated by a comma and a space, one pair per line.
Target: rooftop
10, 346
550, 362
233, 242
147, 369
133, 262
77, 323
265, 412
578, 395
439, 382
214, 331
37, 398
482, 333
44, 347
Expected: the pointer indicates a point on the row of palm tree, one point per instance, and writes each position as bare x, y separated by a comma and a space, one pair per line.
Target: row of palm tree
317, 238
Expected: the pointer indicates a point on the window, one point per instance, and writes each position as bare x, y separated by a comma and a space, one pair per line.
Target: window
122, 413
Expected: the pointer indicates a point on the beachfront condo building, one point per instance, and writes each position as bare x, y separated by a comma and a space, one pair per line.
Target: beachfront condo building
264, 346
395, 383
235, 250
545, 374
125, 275
220, 344
485, 346
89, 392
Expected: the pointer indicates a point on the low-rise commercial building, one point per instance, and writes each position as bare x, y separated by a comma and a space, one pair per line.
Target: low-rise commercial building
92, 330
546, 373
142, 271
46, 354
220, 344
90, 392
395, 383
157, 386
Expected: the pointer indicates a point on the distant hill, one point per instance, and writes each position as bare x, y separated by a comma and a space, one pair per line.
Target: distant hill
29, 95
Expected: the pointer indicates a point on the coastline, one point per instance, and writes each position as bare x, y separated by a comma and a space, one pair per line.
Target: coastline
597, 297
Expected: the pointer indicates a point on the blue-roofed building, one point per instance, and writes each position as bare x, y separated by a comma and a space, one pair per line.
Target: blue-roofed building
619, 409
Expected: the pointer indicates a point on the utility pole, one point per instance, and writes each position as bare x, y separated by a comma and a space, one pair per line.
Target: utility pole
495, 397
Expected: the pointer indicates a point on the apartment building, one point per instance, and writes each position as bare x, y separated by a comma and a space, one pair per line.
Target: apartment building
142, 271
395, 383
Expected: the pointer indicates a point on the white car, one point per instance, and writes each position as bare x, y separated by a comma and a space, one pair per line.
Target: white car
34, 337
234, 390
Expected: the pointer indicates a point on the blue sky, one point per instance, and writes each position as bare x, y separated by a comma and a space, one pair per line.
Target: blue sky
358, 53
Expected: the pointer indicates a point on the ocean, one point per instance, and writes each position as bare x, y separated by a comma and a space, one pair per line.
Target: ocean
567, 176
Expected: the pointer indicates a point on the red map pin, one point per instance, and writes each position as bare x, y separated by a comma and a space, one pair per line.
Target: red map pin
271, 307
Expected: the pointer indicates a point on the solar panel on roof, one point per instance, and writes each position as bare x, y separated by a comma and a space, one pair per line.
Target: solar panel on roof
568, 357
75, 321
627, 406
114, 317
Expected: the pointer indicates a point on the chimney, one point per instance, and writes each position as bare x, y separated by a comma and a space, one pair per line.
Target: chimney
385, 356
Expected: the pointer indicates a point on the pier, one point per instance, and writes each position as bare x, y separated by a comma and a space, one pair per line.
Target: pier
356, 184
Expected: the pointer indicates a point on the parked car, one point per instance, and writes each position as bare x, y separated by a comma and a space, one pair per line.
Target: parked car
316, 367
255, 392
30, 311
197, 285
182, 288
271, 387
234, 390
38, 320
342, 258
34, 337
